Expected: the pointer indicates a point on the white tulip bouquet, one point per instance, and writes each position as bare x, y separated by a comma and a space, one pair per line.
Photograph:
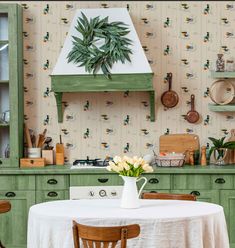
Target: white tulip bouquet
131, 167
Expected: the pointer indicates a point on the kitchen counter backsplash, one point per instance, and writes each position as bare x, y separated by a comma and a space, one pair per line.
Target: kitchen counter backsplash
182, 38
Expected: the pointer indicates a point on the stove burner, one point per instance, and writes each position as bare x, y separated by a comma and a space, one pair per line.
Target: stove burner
91, 162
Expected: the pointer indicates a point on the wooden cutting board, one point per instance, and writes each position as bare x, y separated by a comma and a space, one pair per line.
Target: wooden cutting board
179, 143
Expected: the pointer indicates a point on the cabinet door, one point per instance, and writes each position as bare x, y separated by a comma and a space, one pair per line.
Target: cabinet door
11, 85
51, 195
227, 200
202, 195
13, 225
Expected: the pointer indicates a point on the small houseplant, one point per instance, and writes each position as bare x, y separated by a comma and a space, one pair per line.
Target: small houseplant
220, 148
130, 169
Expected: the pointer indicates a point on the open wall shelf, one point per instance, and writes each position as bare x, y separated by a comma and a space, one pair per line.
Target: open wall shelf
226, 74
221, 108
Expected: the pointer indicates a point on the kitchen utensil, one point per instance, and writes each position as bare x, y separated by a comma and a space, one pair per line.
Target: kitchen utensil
41, 138
47, 142
222, 92
179, 143
192, 115
33, 140
169, 98
27, 135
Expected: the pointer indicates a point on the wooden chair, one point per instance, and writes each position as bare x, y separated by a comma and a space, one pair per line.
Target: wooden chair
5, 206
94, 237
165, 196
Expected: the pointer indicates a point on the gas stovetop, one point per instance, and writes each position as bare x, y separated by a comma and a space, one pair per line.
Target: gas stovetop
89, 163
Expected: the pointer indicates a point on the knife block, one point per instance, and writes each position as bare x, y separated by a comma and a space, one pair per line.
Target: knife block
59, 156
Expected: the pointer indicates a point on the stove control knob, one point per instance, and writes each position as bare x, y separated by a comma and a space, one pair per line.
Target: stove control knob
91, 193
113, 193
102, 193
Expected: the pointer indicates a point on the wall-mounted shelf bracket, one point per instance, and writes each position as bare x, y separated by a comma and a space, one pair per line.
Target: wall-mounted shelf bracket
58, 98
152, 105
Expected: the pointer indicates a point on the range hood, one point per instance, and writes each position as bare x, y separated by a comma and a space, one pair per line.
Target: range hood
129, 76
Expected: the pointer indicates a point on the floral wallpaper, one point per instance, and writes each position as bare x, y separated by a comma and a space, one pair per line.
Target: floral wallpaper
178, 37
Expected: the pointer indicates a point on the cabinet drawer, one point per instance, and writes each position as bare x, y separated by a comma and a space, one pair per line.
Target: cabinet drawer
192, 182
52, 182
222, 181
202, 195
156, 182
20, 182
95, 180
51, 195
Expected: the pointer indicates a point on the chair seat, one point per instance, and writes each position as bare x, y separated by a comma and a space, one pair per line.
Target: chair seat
5, 206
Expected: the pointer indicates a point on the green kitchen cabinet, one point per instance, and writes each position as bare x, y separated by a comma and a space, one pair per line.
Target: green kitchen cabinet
228, 202
196, 182
52, 188
13, 225
156, 182
95, 180
11, 85
202, 195
55, 195
52, 182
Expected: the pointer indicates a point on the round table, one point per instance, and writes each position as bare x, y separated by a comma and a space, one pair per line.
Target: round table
163, 223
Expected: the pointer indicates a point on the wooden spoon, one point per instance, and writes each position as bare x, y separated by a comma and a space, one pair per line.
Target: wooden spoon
192, 115
169, 98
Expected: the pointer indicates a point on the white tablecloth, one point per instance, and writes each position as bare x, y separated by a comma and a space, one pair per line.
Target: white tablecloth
164, 223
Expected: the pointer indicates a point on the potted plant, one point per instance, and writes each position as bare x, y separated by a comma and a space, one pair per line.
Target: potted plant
130, 170
220, 149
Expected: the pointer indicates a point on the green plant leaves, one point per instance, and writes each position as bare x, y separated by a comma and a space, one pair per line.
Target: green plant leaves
115, 48
219, 143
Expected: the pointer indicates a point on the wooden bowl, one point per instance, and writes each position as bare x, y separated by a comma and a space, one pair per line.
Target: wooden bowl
222, 92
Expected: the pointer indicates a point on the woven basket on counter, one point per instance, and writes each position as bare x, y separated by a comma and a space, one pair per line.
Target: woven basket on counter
169, 162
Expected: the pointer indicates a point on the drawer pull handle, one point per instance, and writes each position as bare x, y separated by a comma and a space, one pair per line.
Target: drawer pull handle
10, 194
52, 181
31, 161
196, 193
220, 180
153, 180
153, 191
52, 194
103, 180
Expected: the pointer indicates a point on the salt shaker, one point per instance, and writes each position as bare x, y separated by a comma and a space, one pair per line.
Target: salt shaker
220, 63
191, 157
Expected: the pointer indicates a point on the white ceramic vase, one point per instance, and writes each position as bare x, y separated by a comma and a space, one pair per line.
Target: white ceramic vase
130, 194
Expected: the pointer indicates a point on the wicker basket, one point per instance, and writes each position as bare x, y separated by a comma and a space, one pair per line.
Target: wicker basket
169, 162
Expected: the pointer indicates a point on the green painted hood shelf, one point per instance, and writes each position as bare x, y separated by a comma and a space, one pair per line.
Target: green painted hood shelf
131, 76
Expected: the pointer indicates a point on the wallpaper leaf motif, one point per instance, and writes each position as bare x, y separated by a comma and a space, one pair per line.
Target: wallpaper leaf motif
178, 37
